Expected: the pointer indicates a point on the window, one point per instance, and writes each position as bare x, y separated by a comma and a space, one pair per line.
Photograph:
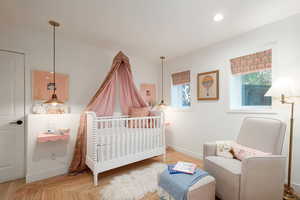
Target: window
251, 79
254, 86
181, 90
181, 96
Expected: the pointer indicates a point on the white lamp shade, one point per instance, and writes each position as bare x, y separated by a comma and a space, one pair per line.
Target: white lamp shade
283, 86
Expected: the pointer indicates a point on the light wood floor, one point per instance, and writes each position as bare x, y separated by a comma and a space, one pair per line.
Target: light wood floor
79, 187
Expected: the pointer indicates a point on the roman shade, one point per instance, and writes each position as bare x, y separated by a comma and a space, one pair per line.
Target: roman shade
181, 78
255, 62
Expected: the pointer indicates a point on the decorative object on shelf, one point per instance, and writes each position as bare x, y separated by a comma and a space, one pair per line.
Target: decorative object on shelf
54, 100
39, 108
284, 89
148, 92
208, 85
51, 135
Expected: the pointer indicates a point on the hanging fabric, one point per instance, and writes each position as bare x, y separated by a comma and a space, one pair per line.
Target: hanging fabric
103, 104
256, 62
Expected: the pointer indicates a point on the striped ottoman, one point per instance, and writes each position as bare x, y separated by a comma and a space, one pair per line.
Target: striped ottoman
204, 189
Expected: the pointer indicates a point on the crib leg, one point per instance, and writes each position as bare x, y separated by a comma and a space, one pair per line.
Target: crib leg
95, 179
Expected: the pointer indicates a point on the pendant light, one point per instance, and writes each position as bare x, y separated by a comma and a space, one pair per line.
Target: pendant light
162, 102
54, 99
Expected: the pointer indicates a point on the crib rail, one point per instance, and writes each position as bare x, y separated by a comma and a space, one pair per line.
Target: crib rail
116, 141
114, 138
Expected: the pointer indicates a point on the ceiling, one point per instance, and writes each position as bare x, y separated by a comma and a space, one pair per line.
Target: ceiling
148, 28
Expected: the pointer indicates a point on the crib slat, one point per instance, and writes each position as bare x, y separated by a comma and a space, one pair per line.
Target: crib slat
118, 139
123, 138
113, 142
134, 135
147, 136
127, 136
131, 137
140, 135
156, 134
151, 134
108, 142
143, 136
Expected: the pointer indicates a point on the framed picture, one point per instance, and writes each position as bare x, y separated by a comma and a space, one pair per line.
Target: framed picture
208, 85
148, 92
43, 86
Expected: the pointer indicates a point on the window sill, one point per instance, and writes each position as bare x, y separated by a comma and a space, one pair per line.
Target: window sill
252, 111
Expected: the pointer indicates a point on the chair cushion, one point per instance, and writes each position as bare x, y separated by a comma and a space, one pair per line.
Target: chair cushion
227, 173
241, 152
233, 166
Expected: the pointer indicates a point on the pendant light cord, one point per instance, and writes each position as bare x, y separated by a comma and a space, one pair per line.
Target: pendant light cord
162, 78
54, 60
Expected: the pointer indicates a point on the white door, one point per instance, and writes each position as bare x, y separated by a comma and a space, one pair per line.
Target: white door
12, 150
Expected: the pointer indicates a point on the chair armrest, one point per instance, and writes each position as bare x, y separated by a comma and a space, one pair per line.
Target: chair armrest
262, 177
209, 149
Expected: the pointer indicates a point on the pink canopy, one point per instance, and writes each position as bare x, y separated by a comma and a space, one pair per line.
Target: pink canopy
103, 104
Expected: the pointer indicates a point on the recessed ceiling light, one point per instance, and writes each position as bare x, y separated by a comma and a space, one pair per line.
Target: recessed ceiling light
218, 17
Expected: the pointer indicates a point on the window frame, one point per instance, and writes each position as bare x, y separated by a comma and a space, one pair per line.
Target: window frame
268, 110
183, 109
180, 108
235, 85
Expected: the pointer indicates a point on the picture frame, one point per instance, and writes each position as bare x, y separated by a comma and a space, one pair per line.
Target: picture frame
148, 92
42, 85
208, 85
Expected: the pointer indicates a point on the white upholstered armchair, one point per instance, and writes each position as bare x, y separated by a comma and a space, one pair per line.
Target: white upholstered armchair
254, 178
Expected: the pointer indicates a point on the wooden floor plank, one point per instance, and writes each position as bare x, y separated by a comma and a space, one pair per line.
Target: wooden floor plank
80, 187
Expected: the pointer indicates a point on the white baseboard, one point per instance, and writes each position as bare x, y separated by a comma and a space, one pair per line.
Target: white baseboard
187, 152
45, 174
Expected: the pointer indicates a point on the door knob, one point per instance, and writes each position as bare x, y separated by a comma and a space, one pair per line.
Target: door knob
18, 122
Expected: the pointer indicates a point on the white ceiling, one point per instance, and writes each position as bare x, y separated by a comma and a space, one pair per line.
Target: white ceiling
149, 28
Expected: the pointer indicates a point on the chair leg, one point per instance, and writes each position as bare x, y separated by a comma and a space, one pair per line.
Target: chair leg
95, 179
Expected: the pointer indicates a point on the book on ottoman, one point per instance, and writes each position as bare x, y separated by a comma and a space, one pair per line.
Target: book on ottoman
185, 167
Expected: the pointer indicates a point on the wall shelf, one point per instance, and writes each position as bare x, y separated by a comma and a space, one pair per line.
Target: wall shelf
46, 137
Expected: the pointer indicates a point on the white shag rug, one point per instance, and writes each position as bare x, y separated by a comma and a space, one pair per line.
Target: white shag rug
134, 185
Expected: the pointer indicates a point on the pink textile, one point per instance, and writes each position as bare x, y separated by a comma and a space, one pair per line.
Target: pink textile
139, 112
103, 104
241, 152
130, 97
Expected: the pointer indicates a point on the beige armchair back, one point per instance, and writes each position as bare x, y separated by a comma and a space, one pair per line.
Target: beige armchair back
263, 134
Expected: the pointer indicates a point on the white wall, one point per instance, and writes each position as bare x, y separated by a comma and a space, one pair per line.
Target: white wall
87, 64
211, 120
49, 159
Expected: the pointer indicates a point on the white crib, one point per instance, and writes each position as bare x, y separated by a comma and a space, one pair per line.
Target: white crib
116, 141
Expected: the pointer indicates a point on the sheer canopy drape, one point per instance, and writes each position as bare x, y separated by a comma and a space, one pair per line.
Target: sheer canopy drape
103, 104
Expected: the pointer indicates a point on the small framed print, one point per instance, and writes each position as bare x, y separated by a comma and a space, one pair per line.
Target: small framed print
148, 92
208, 85
43, 86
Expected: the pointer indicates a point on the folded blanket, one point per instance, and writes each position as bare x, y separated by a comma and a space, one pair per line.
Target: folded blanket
177, 185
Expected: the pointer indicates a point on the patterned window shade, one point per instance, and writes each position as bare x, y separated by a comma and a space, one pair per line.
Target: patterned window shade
256, 62
181, 78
